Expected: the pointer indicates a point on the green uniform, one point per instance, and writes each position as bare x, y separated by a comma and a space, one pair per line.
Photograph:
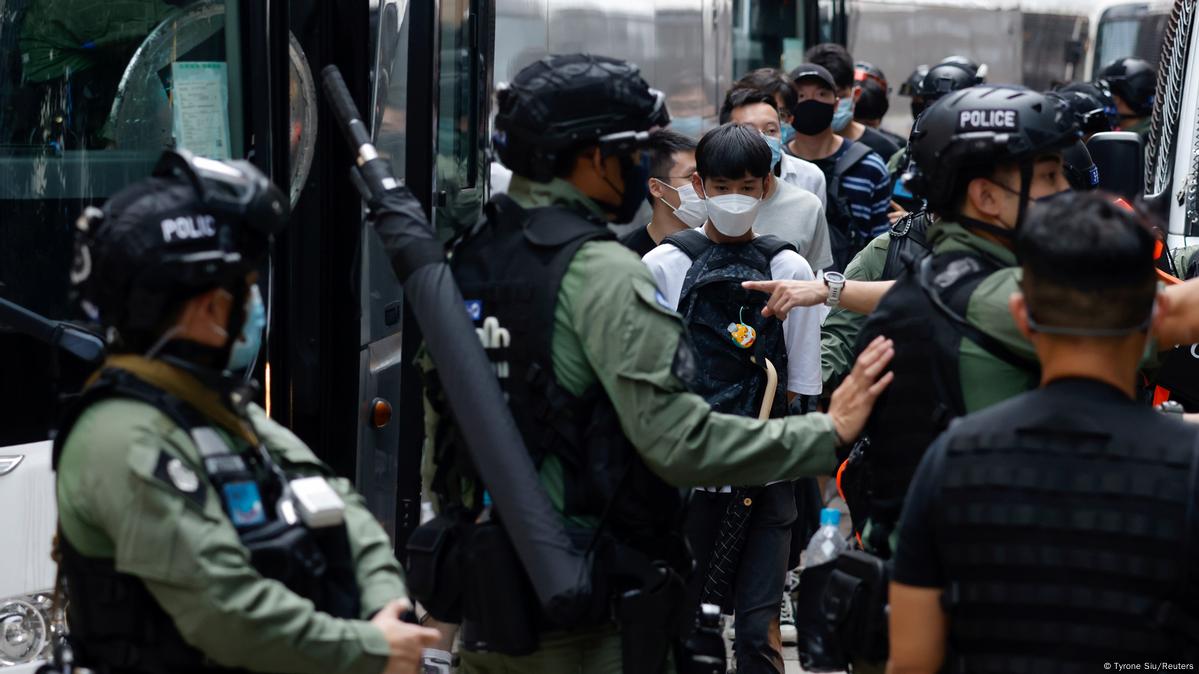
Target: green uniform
839, 333
611, 328
111, 505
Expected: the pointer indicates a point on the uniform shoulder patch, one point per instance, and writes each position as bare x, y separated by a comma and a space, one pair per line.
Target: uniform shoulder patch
661, 300
173, 472
955, 270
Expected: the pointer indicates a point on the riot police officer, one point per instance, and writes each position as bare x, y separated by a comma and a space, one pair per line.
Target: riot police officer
595, 368
1053, 531
195, 534
1133, 83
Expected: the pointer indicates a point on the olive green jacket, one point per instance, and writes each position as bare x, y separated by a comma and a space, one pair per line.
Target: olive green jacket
111, 505
612, 328
985, 379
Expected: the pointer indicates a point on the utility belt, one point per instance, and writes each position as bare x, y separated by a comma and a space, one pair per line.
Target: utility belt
467, 571
841, 612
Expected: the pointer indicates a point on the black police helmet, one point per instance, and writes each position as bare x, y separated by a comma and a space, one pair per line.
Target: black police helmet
564, 102
980, 127
1133, 80
1092, 104
912, 83
195, 224
953, 74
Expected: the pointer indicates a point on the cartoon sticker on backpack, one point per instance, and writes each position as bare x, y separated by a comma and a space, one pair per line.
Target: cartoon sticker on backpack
742, 334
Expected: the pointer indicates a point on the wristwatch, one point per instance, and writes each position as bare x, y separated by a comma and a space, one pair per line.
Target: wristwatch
835, 281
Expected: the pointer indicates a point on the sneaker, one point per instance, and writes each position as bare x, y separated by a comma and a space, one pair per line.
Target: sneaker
791, 582
436, 661
787, 633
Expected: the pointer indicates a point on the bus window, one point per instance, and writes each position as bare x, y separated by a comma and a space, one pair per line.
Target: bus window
90, 93
391, 86
1128, 30
458, 188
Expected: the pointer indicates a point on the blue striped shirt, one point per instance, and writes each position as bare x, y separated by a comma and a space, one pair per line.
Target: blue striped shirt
866, 188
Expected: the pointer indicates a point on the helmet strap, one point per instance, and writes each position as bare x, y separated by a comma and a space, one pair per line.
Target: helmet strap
1004, 234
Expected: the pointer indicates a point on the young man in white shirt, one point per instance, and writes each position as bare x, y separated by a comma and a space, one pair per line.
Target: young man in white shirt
792, 170
788, 212
733, 163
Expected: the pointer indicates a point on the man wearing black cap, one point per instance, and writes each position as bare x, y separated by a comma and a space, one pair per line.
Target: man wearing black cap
195, 534
859, 186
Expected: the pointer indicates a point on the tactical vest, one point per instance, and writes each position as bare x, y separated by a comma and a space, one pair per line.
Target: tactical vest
115, 624
510, 268
924, 313
731, 336
1068, 531
909, 244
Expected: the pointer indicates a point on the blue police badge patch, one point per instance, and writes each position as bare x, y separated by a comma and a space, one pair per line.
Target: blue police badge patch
474, 309
661, 300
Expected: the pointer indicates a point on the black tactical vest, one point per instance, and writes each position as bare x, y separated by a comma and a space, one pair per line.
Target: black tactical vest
924, 313
908, 246
115, 624
1067, 527
510, 268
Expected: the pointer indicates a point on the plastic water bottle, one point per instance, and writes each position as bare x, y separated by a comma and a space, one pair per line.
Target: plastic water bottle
827, 542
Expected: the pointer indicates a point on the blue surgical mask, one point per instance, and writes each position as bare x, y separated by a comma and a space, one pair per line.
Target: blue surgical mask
843, 115
776, 150
249, 342
788, 132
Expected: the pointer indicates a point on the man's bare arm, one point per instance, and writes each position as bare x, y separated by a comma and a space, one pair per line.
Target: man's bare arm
857, 296
918, 630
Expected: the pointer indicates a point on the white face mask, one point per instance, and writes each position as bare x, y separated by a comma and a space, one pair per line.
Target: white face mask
691, 210
733, 214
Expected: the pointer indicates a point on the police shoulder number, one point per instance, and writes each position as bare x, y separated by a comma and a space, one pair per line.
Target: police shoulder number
988, 120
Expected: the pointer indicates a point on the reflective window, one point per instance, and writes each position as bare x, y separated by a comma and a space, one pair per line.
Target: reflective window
391, 86
1129, 30
458, 193
90, 92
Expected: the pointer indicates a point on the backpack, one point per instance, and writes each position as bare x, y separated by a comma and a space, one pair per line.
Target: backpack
844, 239
732, 339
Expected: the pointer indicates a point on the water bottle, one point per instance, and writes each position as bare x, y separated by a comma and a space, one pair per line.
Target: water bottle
827, 542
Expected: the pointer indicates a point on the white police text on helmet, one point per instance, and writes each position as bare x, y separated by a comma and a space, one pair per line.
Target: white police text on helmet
188, 227
988, 120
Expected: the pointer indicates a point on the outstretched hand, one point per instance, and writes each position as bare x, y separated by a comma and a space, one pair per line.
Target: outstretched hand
407, 641
854, 399
788, 295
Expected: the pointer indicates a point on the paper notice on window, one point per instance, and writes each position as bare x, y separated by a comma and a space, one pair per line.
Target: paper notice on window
200, 103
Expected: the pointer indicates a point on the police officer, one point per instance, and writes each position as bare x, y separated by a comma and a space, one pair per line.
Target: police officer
979, 157
1056, 530
594, 362
1133, 83
195, 534
909, 86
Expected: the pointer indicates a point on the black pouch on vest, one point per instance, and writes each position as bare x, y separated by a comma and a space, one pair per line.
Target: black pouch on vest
818, 643
434, 573
499, 609
855, 602
648, 620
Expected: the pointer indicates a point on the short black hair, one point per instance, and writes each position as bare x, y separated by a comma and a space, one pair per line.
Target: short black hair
1087, 263
873, 103
731, 151
774, 82
662, 146
835, 59
741, 97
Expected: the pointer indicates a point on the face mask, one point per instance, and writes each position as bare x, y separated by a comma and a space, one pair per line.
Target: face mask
843, 115
788, 132
776, 150
691, 210
636, 188
733, 214
249, 342
812, 117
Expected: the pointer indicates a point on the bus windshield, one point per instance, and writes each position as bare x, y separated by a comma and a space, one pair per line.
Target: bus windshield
1129, 30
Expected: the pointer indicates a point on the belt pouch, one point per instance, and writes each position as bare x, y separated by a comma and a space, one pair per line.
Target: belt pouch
499, 607
434, 573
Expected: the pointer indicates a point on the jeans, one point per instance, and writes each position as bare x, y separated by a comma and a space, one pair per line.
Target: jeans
758, 582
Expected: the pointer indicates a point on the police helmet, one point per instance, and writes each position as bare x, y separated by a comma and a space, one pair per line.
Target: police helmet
195, 224
912, 83
563, 102
1133, 80
1092, 104
980, 127
953, 74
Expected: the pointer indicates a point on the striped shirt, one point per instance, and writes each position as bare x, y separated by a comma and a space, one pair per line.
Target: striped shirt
866, 188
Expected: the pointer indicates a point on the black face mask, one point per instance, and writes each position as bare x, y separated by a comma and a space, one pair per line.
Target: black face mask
636, 188
811, 117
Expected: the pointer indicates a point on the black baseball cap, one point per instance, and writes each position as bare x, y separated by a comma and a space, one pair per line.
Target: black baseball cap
811, 70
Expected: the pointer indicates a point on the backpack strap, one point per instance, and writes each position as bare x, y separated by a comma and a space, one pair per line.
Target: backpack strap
956, 300
854, 154
770, 246
690, 241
